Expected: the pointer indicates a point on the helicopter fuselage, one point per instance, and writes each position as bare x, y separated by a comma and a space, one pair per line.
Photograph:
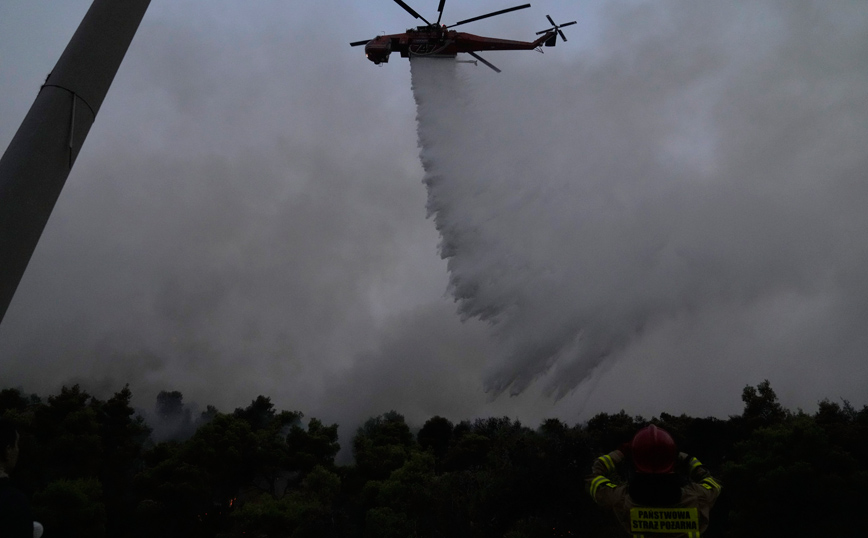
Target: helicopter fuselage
439, 42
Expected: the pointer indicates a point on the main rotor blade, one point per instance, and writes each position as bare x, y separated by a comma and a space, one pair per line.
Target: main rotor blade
551, 21
440, 9
411, 12
562, 35
567, 24
357, 43
483, 60
501, 12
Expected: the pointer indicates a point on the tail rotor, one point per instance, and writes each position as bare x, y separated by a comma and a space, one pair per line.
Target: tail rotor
555, 30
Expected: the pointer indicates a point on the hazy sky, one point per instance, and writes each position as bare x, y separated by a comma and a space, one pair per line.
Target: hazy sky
657, 213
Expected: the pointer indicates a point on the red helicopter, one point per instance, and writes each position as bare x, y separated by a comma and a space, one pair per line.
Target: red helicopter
434, 40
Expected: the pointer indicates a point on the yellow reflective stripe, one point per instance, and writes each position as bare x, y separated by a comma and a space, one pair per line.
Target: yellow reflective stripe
694, 463
595, 485
607, 461
599, 480
711, 482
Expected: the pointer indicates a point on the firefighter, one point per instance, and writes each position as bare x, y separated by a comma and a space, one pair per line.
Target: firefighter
667, 492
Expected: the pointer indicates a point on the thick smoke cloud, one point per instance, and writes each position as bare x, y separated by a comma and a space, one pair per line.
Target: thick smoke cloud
668, 180
228, 231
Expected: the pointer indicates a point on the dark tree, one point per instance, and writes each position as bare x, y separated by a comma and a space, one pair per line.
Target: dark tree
259, 414
761, 406
382, 445
435, 436
175, 422
316, 446
123, 435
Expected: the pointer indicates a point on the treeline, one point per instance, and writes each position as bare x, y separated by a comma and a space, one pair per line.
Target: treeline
92, 470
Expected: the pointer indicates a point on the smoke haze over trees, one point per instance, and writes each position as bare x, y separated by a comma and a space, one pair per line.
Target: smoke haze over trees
93, 470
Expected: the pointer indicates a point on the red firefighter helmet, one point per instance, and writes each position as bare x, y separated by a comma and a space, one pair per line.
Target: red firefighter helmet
653, 451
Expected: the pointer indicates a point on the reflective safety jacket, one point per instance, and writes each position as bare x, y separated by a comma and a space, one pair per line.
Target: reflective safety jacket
686, 519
